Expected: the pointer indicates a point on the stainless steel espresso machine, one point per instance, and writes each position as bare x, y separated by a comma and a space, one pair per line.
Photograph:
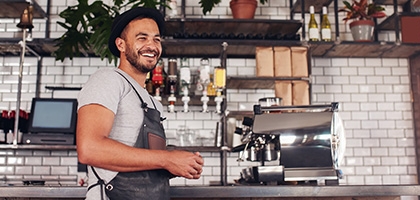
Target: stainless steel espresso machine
292, 144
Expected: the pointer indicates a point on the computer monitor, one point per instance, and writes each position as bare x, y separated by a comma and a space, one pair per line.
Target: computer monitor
53, 115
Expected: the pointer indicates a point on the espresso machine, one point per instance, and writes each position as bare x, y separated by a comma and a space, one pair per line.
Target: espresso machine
292, 145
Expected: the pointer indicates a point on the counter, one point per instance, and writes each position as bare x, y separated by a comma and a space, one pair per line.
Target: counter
231, 192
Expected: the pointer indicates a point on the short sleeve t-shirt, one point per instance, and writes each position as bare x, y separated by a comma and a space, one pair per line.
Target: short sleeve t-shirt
108, 88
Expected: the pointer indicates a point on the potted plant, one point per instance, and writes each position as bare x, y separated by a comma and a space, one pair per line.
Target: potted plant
241, 9
244, 9
362, 14
88, 27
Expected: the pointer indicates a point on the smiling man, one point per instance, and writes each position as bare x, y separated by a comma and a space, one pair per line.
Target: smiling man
119, 131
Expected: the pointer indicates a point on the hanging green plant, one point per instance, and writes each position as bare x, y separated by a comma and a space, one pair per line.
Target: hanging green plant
88, 26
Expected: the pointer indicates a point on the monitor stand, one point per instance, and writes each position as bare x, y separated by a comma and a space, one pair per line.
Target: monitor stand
48, 138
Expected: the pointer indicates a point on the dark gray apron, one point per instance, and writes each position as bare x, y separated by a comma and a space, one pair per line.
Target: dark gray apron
150, 184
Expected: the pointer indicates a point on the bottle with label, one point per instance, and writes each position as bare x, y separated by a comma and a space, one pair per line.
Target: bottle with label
204, 81
184, 82
158, 79
184, 76
172, 82
219, 84
325, 26
313, 26
5, 124
219, 77
9, 135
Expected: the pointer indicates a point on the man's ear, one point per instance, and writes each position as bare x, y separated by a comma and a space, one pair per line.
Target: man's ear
120, 43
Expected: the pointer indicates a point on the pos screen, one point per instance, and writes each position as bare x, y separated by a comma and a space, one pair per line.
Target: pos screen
53, 115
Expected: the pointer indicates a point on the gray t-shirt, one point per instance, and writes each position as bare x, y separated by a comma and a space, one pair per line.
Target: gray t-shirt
108, 88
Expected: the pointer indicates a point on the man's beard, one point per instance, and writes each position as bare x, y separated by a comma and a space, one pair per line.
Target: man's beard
134, 59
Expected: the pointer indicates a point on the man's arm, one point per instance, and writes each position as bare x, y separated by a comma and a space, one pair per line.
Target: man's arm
95, 148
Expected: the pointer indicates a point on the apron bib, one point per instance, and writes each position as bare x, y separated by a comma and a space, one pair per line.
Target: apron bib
150, 184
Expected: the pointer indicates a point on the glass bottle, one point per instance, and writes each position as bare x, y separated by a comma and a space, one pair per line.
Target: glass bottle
219, 77
184, 76
325, 26
5, 124
158, 79
149, 83
184, 82
211, 89
171, 82
313, 26
219, 83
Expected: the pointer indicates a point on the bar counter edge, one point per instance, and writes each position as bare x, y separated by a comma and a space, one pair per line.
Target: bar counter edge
229, 191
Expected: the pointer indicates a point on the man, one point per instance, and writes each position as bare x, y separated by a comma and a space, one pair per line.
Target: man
119, 132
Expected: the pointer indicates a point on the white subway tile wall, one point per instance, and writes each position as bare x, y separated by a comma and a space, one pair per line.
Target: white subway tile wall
374, 96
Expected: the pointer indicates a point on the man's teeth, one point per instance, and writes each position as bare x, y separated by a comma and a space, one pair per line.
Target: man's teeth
148, 54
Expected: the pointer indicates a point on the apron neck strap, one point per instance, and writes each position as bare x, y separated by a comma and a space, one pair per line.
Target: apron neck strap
143, 104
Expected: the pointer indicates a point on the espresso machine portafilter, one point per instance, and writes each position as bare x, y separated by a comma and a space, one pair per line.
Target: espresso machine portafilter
292, 144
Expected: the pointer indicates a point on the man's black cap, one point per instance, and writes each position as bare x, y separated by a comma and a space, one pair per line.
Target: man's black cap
121, 21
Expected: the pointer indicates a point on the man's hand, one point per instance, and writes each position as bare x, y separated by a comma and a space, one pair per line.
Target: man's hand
185, 164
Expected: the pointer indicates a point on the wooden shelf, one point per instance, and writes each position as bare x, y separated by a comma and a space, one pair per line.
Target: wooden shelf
364, 49
14, 9
38, 147
390, 2
212, 47
247, 82
41, 47
194, 48
235, 26
241, 48
195, 148
297, 7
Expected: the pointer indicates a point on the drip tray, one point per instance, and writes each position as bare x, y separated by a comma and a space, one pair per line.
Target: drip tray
305, 174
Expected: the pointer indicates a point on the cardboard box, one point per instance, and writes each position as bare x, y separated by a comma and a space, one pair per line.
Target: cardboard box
300, 92
299, 61
264, 57
282, 62
283, 89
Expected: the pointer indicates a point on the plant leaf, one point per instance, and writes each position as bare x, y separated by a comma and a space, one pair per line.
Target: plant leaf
207, 5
